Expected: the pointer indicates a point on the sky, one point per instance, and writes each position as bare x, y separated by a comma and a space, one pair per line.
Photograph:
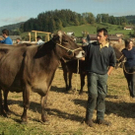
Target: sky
15, 11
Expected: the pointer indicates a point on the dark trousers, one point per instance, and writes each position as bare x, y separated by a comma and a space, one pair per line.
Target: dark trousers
130, 77
97, 91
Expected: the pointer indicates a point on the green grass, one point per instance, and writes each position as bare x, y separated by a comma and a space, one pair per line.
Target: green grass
91, 28
13, 128
112, 29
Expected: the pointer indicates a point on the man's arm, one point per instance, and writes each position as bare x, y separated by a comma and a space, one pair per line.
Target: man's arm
110, 70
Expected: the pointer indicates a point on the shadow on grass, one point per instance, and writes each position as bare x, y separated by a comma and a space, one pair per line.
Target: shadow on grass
56, 89
63, 90
35, 107
123, 109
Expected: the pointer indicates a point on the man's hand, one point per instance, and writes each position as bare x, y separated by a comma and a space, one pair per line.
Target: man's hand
83, 58
110, 70
1, 38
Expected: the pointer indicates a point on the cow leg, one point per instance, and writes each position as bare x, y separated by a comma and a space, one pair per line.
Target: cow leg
63, 64
5, 102
1, 106
43, 108
2, 111
26, 95
65, 79
82, 78
70, 80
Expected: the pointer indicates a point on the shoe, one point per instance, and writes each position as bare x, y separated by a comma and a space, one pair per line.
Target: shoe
103, 122
89, 122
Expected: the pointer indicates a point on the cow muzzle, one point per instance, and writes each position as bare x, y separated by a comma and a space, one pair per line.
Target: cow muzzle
80, 55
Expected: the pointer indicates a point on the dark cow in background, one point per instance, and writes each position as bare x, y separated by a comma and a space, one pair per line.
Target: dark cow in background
71, 67
31, 68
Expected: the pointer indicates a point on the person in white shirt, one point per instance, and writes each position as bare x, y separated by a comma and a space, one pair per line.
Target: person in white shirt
18, 41
39, 41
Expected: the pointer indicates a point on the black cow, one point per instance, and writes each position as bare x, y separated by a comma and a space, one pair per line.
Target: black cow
71, 67
31, 68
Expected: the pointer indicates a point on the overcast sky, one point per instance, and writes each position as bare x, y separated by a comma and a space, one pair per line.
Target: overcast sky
14, 11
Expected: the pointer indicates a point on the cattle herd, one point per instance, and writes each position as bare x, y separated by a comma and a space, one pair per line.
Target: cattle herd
25, 68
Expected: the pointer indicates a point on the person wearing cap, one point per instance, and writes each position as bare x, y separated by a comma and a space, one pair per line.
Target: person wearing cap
39, 41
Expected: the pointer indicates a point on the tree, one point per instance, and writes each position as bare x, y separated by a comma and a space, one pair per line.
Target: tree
89, 17
99, 18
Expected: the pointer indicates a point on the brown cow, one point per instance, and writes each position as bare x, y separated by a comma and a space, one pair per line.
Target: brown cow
32, 68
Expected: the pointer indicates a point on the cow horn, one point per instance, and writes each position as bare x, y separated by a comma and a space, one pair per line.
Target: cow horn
60, 36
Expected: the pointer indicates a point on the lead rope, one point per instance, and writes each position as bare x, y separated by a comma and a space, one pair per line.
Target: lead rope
68, 48
123, 66
77, 75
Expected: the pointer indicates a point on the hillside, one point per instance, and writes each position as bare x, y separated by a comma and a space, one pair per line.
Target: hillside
77, 29
91, 29
131, 19
11, 27
52, 21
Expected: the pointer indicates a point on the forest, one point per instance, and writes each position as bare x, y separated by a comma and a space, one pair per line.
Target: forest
54, 20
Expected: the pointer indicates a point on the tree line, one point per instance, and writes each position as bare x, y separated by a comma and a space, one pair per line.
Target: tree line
54, 20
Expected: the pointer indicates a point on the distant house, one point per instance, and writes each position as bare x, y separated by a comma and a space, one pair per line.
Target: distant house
71, 33
111, 38
128, 28
119, 35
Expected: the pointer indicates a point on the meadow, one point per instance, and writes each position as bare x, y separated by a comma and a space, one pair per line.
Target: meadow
66, 110
90, 28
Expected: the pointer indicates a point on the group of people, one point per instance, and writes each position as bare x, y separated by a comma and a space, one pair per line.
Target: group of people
100, 60
8, 40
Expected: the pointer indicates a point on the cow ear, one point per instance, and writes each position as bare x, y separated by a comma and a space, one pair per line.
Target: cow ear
58, 37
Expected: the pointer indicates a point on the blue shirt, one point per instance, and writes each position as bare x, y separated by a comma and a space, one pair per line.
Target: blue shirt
7, 40
130, 56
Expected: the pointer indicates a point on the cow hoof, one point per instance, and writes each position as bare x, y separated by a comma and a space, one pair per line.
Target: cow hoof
9, 112
24, 122
68, 88
44, 120
4, 114
47, 122
80, 93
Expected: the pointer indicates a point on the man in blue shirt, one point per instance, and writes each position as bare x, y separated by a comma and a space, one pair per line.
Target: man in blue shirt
7, 39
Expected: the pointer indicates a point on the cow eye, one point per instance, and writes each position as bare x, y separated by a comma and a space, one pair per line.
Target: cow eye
69, 52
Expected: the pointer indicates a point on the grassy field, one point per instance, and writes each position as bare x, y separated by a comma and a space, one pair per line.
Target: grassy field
112, 29
66, 111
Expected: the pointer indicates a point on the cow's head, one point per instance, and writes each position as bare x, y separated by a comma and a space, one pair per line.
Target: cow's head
67, 47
